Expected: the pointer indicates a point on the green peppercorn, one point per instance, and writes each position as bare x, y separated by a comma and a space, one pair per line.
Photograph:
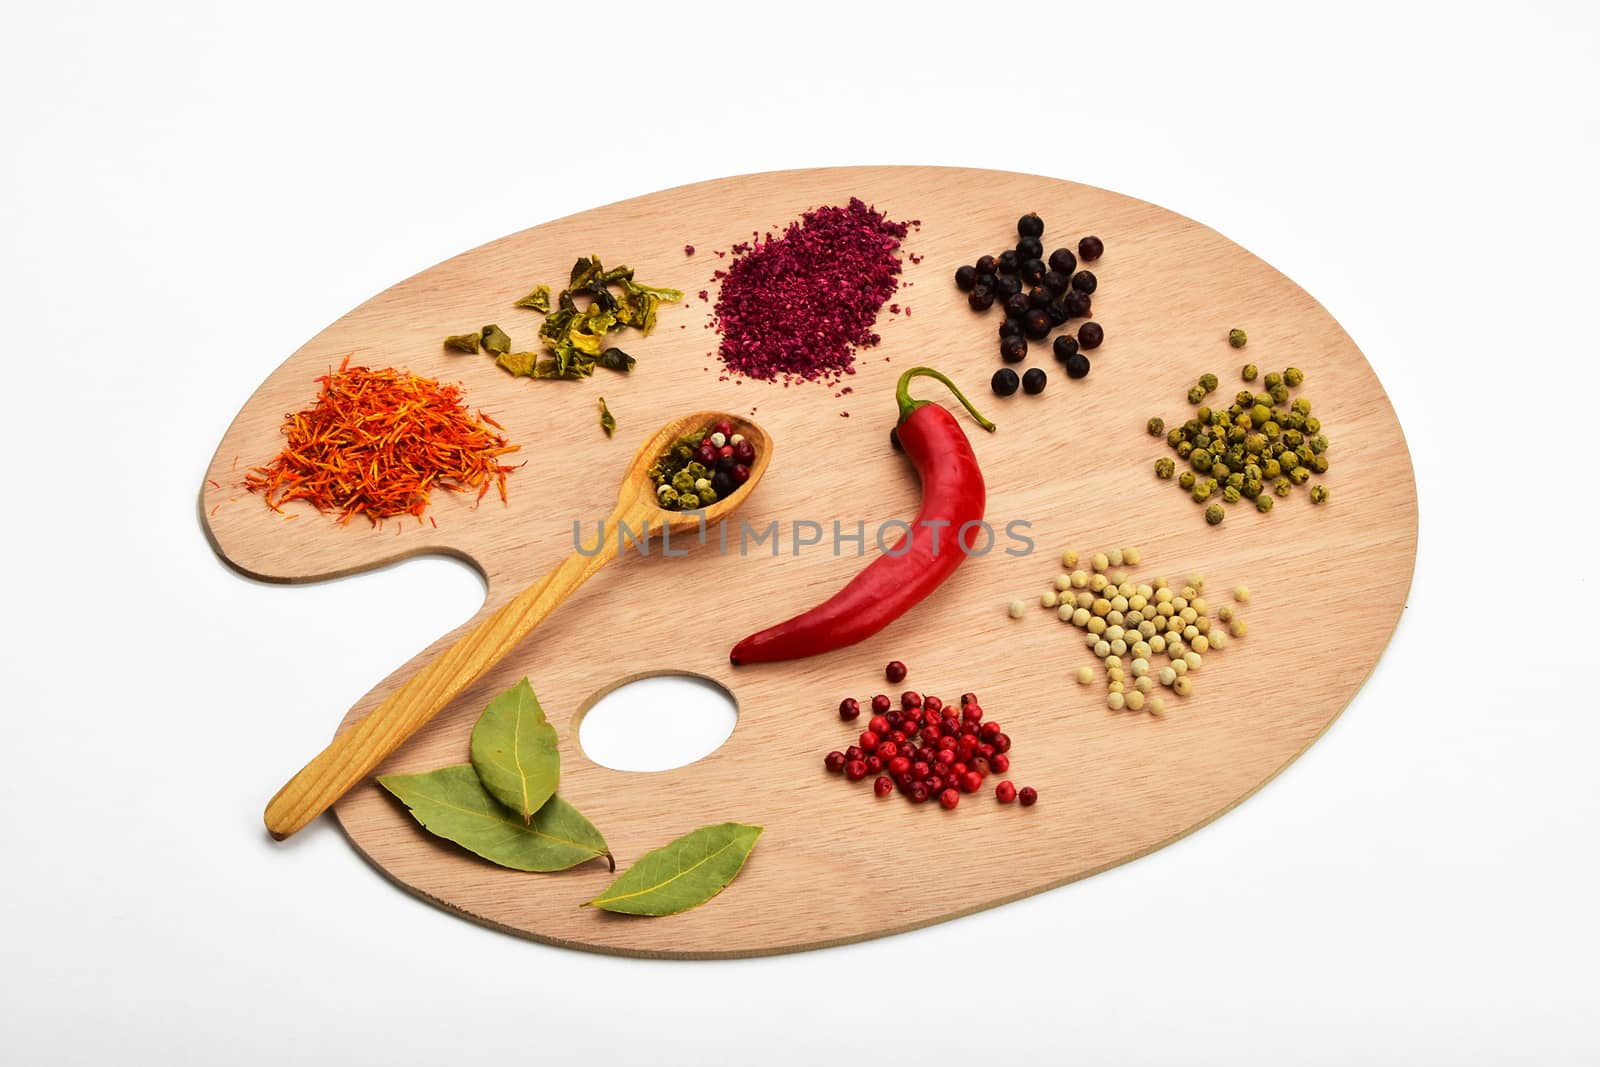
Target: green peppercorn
688, 501
1319, 494
1174, 435
1196, 395
683, 482
1251, 488
1184, 449
1318, 443
1230, 495
1235, 480
1254, 443
1200, 460
1243, 398
1263, 503
1203, 415
1299, 475
1214, 516
1283, 487
1293, 376
668, 496
1155, 427
1294, 420
1272, 378
1208, 382
1191, 428
1186, 480
1237, 337
1164, 468
1248, 372
1201, 492
1219, 469
1280, 394
1302, 406
697, 470
1270, 470
1319, 464
1293, 438
1313, 424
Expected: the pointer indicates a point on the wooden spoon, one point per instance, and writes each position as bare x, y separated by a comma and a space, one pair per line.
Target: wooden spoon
356, 752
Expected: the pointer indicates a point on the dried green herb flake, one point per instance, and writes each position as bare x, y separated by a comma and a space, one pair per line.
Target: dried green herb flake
463, 342
518, 364
616, 359
538, 300
607, 422
495, 340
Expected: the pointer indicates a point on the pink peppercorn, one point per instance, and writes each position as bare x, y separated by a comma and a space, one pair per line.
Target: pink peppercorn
880, 704
1005, 792
910, 699
883, 787
868, 740
895, 672
949, 799
932, 705
849, 709
1002, 743
1027, 795
855, 770
834, 761
1000, 763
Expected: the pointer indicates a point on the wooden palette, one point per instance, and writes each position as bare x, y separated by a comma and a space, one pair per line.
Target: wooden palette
836, 864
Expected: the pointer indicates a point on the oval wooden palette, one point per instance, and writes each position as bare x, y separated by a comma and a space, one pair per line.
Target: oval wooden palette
836, 864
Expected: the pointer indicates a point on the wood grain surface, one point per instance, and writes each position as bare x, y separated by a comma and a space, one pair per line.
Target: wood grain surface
835, 863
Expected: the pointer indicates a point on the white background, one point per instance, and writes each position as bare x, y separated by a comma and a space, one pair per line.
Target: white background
190, 191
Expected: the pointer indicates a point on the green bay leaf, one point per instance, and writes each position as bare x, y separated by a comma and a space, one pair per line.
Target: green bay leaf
514, 751
452, 803
683, 874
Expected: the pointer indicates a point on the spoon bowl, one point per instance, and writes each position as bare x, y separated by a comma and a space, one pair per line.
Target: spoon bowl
638, 494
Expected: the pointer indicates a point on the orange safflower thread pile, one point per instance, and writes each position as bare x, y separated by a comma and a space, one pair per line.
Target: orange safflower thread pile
377, 442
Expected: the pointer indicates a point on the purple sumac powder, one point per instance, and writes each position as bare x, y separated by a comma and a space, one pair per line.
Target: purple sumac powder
797, 307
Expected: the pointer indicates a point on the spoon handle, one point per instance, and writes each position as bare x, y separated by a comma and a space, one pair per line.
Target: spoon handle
356, 752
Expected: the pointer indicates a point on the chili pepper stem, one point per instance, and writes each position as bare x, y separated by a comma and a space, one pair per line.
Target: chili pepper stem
902, 395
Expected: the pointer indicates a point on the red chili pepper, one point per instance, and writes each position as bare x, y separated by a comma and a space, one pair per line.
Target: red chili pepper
952, 510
